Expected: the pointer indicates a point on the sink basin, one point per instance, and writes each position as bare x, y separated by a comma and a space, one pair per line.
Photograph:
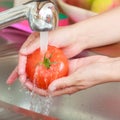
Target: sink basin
98, 103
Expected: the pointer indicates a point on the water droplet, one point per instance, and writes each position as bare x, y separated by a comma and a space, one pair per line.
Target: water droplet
91, 117
9, 88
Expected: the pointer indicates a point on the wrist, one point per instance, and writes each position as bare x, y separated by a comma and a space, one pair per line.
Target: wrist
112, 71
80, 36
115, 67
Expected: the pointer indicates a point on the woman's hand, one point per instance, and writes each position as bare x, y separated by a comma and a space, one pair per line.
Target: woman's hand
73, 39
19, 71
85, 73
31, 44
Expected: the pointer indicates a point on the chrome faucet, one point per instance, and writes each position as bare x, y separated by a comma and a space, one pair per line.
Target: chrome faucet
41, 14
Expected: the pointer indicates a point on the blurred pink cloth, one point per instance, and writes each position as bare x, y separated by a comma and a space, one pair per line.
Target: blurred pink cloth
2, 9
11, 34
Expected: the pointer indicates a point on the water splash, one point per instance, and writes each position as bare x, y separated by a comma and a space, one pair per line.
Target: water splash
9, 88
38, 103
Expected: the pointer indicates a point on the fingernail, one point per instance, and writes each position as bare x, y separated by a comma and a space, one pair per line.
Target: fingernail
52, 88
8, 82
23, 50
22, 71
22, 78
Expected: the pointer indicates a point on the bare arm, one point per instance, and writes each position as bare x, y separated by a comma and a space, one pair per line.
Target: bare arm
100, 30
96, 31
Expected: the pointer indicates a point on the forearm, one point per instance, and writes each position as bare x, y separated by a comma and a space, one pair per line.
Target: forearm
114, 70
108, 70
100, 30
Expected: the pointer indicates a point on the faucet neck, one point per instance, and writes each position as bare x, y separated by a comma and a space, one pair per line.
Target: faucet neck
42, 16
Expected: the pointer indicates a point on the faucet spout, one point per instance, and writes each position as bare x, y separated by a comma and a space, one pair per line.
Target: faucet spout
42, 16
13, 15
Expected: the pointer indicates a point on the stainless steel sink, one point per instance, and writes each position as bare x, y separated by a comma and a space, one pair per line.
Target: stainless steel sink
98, 103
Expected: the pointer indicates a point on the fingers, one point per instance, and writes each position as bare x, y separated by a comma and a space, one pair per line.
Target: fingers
14, 75
22, 64
64, 86
60, 84
74, 64
70, 80
22, 68
31, 44
36, 90
28, 47
69, 91
74, 78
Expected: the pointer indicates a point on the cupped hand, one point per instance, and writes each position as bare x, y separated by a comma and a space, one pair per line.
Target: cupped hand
85, 73
32, 43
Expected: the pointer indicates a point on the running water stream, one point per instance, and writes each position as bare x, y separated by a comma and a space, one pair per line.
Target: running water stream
44, 41
38, 103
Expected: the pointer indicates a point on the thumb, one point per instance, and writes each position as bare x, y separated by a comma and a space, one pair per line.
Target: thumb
60, 84
13, 76
31, 44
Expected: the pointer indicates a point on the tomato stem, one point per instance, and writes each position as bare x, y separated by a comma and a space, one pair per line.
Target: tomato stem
47, 62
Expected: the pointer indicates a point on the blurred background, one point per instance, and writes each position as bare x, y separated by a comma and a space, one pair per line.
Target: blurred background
6, 3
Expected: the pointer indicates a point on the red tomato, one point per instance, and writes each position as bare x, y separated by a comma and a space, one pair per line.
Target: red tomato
43, 69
